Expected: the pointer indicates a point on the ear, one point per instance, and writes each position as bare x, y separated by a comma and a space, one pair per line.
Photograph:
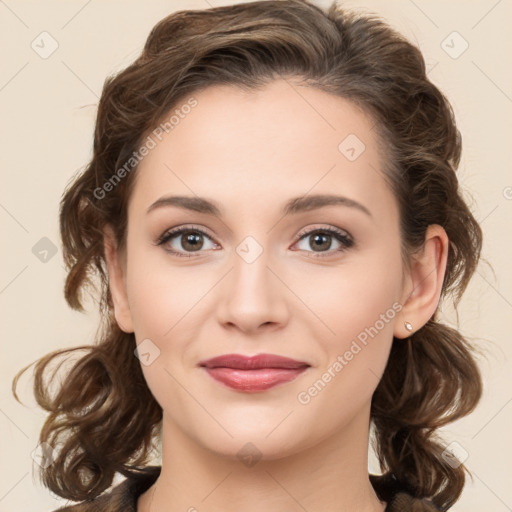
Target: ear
116, 265
423, 282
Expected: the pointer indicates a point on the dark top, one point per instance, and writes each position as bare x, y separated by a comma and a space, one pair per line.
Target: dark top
123, 497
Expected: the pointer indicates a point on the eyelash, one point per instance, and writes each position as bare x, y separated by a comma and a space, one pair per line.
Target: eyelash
338, 234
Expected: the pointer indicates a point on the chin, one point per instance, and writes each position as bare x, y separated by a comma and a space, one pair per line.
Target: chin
255, 447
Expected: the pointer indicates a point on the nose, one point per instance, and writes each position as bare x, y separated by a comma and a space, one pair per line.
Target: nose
253, 297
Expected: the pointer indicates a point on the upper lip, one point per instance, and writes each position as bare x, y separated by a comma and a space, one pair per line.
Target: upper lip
242, 362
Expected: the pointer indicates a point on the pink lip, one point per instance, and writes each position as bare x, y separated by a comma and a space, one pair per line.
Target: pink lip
252, 374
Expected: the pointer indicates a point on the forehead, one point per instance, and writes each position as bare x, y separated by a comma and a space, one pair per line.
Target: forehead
264, 146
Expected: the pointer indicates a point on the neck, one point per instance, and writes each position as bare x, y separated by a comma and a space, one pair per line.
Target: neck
331, 476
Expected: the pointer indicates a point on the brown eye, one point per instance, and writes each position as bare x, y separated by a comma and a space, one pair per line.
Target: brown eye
193, 241
322, 240
182, 241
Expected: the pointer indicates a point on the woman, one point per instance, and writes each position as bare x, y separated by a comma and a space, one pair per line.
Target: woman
273, 214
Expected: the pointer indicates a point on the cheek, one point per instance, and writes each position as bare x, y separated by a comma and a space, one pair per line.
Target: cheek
361, 317
162, 295
357, 305
354, 297
162, 303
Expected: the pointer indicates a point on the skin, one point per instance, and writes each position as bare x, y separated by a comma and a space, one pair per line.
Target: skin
250, 153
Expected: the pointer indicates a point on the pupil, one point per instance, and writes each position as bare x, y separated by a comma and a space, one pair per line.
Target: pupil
317, 238
194, 241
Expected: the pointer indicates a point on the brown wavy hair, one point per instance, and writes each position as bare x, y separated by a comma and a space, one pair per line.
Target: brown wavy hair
102, 416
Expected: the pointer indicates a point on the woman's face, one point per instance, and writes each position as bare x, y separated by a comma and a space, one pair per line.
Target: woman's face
277, 271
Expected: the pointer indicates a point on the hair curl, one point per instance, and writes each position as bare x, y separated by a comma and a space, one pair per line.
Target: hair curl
103, 415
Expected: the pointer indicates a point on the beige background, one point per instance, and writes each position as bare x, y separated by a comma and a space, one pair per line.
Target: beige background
48, 111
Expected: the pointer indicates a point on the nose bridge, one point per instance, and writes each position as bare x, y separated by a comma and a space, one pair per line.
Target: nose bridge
252, 295
251, 277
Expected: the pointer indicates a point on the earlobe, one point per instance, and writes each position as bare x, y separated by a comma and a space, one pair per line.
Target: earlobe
423, 287
117, 281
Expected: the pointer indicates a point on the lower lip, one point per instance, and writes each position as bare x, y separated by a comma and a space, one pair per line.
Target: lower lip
252, 381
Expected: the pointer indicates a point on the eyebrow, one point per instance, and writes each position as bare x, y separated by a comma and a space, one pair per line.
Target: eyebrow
293, 206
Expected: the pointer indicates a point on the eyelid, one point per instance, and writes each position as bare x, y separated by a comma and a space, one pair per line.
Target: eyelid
342, 236
323, 228
179, 229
